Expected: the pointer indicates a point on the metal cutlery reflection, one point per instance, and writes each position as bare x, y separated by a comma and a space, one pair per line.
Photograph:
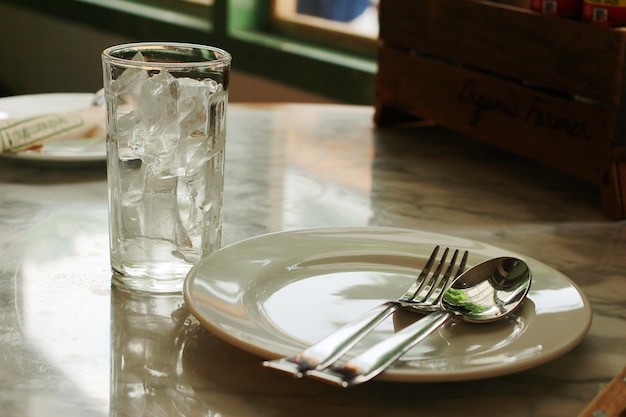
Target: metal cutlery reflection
486, 292
424, 295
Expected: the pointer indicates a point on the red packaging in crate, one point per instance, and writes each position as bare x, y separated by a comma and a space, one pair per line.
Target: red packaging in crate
605, 12
557, 7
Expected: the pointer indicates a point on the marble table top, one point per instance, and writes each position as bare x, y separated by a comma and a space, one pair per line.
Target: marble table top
64, 332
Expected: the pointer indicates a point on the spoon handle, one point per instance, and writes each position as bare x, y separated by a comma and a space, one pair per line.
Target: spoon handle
326, 351
376, 359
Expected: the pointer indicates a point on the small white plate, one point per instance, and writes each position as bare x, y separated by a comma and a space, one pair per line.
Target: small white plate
275, 294
76, 151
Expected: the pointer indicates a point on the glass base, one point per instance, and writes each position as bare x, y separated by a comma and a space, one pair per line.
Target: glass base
173, 285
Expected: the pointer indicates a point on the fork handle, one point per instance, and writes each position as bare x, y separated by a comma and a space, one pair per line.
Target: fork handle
323, 353
376, 359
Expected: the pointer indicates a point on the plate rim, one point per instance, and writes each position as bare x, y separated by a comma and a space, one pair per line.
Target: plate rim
52, 158
397, 375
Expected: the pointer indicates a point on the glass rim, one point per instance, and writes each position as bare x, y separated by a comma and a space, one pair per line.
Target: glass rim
224, 58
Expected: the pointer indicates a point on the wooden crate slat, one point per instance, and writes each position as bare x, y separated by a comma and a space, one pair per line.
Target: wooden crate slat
513, 116
566, 55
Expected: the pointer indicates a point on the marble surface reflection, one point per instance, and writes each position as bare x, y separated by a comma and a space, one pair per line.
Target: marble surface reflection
72, 346
149, 334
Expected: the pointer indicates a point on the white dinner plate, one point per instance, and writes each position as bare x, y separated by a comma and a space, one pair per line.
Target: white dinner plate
71, 152
275, 294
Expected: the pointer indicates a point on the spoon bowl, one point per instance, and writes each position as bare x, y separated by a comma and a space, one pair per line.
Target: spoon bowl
489, 290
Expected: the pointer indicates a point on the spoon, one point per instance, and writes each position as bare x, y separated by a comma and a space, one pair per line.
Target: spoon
484, 293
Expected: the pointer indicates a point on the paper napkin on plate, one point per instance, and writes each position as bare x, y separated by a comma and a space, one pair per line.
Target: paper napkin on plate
23, 133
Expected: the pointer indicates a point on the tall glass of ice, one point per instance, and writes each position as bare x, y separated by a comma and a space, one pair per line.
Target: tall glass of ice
166, 126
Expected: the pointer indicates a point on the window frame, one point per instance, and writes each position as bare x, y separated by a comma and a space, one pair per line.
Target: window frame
243, 27
285, 21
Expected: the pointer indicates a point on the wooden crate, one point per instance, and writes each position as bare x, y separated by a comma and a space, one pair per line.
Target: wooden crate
544, 87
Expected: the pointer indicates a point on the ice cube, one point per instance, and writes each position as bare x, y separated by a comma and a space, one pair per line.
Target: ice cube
131, 80
186, 151
157, 131
192, 116
157, 99
217, 117
165, 164
193, 105
161, 219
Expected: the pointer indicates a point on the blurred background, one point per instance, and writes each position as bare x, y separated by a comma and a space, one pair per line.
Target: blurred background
283, 50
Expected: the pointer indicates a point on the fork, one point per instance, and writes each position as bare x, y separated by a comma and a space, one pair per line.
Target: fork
423, 296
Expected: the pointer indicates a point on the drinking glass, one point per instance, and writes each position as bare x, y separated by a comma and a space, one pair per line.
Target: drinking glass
166, 127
